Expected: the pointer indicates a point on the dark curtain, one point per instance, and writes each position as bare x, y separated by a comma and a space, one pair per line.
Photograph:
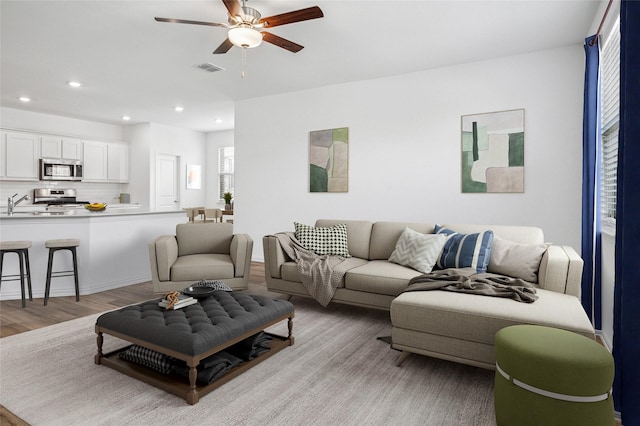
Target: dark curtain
591, 183
626, 323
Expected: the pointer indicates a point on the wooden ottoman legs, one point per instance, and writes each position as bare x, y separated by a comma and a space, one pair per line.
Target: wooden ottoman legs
99, 340
193, 396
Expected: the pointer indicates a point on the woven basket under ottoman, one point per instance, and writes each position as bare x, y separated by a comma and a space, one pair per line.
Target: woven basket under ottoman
548, 376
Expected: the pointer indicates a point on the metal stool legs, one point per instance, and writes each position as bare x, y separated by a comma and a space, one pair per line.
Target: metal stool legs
53, 247
21, 248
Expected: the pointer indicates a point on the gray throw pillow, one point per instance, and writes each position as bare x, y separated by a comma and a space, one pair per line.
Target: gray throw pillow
516, 260
417, 250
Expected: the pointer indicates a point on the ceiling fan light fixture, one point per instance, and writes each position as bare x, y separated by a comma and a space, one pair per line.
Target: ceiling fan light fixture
245, 37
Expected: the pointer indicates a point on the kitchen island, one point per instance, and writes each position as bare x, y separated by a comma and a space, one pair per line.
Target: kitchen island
113, 248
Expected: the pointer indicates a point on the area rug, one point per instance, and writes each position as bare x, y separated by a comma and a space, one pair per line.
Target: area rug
337, 372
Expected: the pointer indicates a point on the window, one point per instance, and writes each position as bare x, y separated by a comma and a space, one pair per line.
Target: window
225, 171
610, 117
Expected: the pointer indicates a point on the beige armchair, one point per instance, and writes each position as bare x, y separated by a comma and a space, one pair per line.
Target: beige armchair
200, 251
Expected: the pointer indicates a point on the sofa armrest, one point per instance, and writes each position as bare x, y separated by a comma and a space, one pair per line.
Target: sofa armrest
241, 251
274, 256
561, 270
165, 248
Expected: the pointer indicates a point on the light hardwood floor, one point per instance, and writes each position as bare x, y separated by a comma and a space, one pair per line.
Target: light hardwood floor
14, 319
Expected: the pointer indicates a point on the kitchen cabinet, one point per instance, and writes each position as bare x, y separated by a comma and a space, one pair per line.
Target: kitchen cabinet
118, 162
106, 161
51, 147
61, 147
95, 160
20, 153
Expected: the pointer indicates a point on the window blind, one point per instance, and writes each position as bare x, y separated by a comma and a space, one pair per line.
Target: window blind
225, 170
610, 116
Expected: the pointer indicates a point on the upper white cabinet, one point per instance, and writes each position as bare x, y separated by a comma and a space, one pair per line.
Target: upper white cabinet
72, 149
118, 162
20, 153
61, 147
51, 146
106, 161
95, 160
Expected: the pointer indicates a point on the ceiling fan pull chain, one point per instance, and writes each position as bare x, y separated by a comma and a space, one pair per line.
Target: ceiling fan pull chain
244, 61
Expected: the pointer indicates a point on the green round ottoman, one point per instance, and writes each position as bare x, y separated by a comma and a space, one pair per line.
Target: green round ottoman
547, 376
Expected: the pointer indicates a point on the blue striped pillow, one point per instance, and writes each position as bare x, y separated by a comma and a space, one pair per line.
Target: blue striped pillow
465, 250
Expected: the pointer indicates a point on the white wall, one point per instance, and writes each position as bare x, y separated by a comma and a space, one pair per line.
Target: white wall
187, 144
404, 148
140, 185
26, 120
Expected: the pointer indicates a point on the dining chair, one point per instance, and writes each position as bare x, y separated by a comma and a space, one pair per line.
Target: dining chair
212, 215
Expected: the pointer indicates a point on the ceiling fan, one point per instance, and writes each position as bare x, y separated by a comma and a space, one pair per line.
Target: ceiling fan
246, 26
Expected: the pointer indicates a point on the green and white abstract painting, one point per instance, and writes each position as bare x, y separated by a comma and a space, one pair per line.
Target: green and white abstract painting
493, 152
329, 160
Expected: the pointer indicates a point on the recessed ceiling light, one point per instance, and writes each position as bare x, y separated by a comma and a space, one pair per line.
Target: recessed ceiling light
126, 118
75, 84
179, 109
24, 99
218, 120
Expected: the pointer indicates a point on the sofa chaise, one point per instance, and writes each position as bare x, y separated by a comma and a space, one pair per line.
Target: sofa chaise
454, 326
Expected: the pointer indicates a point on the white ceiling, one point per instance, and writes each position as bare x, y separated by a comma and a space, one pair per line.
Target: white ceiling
130, 64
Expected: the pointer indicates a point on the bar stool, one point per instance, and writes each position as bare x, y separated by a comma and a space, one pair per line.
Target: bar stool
21, 248
53, 246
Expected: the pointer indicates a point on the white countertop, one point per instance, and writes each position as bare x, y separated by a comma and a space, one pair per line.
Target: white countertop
34, 212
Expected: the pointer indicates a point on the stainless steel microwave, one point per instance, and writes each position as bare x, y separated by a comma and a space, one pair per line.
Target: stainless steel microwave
60, 169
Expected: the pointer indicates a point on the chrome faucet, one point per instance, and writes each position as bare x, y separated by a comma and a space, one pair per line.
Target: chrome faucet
11, 204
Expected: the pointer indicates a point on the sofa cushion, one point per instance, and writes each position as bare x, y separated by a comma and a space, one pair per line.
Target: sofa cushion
331, 240
197, 267
358, 235
199, 238
385, 235
478, 318
417, 250
379, 276
516, 260
517, 234
465, 250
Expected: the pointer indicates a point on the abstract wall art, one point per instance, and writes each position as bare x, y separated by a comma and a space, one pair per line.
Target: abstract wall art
493, 152
194, 176
329, 160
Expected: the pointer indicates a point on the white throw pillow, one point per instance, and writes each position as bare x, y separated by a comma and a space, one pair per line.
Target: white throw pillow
516, 260
417, 250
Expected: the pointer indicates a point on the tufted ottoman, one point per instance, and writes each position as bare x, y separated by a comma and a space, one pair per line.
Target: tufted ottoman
192, 334
547, 376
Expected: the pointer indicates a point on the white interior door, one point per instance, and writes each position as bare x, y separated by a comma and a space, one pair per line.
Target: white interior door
167, 196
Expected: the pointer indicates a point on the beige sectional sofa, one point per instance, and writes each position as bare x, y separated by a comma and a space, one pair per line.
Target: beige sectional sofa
450, 325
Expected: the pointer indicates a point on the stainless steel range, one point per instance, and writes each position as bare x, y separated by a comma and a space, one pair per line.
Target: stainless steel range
57, 197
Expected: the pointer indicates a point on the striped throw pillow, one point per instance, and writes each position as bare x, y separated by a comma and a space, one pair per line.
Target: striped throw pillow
465, 250
331, 240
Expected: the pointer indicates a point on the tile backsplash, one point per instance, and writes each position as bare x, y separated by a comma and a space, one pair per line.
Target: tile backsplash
94, 192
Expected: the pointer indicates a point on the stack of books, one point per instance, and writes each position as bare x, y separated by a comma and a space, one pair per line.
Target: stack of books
183, 300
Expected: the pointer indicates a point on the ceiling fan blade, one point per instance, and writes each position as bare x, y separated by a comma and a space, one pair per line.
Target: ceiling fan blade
224, 47
185, 21
234, 8
291, 17
281, 42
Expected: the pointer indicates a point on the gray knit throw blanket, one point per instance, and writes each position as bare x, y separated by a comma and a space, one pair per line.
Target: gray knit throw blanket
321, 274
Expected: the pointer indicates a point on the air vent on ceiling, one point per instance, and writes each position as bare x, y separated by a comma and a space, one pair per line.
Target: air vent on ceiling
209, 67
